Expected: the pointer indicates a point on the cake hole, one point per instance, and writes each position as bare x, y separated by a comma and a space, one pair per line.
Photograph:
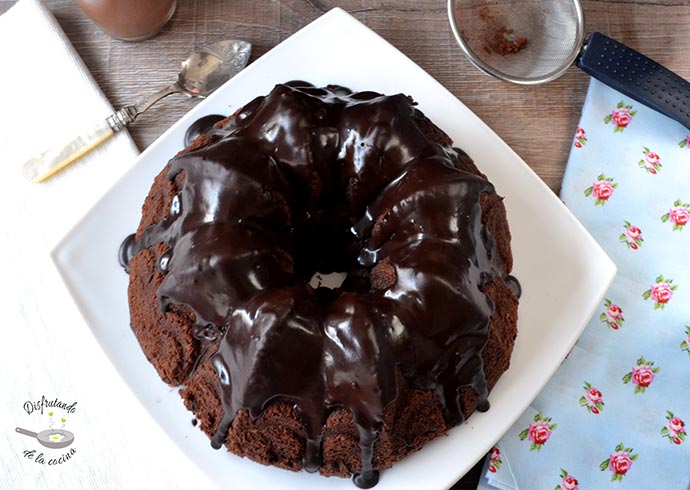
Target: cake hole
331, 281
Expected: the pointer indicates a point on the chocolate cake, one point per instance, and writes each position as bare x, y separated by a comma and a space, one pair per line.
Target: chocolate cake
343, 381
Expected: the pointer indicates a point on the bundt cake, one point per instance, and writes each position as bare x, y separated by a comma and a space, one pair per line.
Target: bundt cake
343, 381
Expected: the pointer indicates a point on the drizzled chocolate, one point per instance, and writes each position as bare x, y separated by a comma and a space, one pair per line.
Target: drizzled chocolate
307, 179
201, 126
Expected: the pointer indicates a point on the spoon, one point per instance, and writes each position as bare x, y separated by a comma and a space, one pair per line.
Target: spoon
202, 73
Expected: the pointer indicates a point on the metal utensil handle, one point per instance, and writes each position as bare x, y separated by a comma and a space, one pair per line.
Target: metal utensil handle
55, 159
26, 432
637, 76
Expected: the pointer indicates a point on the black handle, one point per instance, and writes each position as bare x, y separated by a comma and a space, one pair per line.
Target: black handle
636, 76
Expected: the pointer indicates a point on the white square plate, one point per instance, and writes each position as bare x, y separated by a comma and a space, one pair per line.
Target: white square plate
563, 272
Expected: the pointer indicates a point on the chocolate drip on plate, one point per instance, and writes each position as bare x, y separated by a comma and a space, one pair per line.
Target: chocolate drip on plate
368, 476
514, 285
201, 126
126, 252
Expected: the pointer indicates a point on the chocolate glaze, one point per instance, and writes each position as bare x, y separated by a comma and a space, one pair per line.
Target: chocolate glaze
126, 251
312, 179
201, 126
514, 285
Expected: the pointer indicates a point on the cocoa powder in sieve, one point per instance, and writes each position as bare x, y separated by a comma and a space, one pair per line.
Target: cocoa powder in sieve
498, 38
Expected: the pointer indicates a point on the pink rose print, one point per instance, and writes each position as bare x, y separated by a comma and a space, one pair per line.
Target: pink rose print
642, 375
660, 292
632, 236
619, 463
580, 138
538, 432
685, 344
621, 116
495, 460
602, 189
632, 231
593, 400
650, 162
612, 315
685, 142
679, 215
675, 424
568, 482
674, 429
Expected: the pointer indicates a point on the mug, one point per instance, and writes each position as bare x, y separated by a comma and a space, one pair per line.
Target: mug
129, 20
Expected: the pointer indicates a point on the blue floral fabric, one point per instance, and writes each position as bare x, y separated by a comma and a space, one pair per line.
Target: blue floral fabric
615, 413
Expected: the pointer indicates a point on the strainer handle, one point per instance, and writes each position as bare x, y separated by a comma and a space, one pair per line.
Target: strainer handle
636, 76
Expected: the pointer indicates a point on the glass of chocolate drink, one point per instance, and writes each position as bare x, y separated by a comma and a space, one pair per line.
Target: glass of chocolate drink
129, 20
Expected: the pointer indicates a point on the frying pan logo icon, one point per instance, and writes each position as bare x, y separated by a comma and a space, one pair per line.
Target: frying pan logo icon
50, 438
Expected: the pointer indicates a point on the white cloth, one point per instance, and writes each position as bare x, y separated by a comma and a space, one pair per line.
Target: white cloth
46, 348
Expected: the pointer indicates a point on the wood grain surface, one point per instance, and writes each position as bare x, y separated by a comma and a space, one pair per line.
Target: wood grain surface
537, 122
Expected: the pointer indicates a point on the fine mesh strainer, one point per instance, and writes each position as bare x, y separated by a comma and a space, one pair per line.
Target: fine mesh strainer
531, 42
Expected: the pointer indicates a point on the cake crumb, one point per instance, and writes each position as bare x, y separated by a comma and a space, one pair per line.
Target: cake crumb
383, 275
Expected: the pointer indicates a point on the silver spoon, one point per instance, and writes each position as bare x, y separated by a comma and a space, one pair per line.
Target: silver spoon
202, 73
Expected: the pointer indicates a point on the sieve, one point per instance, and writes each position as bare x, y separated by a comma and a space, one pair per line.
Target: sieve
530, 42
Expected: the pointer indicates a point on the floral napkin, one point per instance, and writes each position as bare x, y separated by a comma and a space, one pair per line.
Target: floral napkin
614, 415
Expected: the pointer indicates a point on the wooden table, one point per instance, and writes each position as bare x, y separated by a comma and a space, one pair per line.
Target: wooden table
537, 122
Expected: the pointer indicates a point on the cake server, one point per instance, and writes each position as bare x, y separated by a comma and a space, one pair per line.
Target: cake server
555, 34
202, 73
